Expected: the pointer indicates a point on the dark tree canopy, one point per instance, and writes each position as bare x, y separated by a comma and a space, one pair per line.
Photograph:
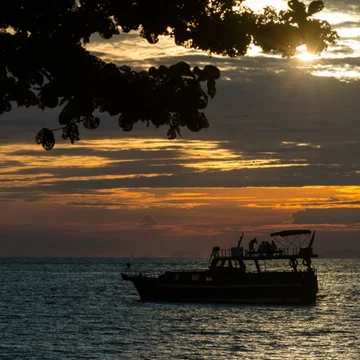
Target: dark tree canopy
44, 63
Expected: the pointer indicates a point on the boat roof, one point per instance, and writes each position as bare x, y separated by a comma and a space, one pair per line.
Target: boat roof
291, 232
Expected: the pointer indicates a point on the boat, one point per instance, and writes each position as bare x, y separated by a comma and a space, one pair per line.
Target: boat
276, 273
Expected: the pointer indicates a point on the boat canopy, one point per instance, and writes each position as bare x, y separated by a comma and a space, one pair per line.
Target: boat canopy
291, 232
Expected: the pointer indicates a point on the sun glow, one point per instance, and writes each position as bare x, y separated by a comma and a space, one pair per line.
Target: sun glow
304, 55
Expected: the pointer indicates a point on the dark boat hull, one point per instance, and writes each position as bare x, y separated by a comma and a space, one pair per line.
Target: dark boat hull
269, 288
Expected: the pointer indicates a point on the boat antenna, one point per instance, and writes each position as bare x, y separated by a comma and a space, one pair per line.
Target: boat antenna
240, 239
312, 239
214, 253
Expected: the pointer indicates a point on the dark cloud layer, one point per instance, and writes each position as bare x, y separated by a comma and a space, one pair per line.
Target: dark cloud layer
344, 216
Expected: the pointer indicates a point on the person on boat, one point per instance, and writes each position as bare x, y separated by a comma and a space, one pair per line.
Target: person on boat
275, 248
252, 245
262, 248
268, 249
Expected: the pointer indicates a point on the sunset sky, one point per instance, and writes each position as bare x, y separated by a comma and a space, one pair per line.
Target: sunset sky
282, 152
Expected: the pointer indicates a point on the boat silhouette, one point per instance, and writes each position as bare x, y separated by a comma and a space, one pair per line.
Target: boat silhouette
239, 275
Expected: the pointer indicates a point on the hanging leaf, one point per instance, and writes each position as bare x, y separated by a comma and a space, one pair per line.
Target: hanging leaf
65, 117
171, 134
204, 123
151, 37
211, 72
315, 7
46, 138
48, 98
71, 131
125, 122
5, 106
91, 122
296, 5
211, 88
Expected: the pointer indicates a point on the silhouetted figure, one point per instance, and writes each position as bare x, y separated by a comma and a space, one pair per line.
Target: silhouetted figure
252, 245
262, 247
268, 249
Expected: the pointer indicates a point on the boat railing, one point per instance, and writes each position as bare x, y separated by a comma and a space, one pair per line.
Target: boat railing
224, 253
279, 251
240, 252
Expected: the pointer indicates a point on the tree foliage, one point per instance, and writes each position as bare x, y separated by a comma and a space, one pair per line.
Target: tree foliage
44, 62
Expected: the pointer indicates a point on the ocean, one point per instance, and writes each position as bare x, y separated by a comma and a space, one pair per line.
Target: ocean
67, 308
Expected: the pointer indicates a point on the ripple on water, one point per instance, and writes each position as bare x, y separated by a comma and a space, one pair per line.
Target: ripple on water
80, 308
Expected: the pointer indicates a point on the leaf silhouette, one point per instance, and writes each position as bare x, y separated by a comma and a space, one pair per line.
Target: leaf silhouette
315, 7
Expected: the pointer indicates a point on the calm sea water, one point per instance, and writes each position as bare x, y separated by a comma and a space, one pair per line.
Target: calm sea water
81, 309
